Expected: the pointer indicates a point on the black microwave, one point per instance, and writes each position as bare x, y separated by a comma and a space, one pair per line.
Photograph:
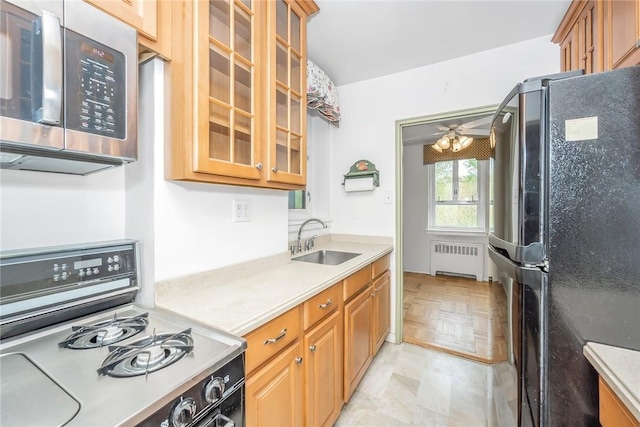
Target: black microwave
68, 87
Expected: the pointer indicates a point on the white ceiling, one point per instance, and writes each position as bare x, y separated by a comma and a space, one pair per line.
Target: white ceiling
358, 40
476, 125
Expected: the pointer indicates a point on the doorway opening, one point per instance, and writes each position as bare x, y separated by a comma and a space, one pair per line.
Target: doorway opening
444, 219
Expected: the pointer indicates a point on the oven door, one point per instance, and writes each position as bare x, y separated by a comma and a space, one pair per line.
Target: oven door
31, 74
230, 412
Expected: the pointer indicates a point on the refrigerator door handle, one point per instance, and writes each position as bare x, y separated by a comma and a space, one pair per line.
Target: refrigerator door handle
533, 253
532, 276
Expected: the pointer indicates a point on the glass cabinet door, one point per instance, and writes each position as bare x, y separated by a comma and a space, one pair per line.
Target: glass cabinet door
287, 151
226, 66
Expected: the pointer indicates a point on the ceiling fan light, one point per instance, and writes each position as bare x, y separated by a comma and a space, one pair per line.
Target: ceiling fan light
443, 142
465, 141
437, 148
457, 146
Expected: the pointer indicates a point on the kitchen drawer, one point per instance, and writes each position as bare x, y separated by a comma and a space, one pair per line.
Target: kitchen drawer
272, 337
322, 305
356, 281
380, 266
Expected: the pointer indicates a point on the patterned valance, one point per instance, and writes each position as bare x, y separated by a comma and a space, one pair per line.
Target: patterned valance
479, 149
322, 94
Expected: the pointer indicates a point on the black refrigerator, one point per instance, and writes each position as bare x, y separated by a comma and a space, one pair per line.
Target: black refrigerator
565, 233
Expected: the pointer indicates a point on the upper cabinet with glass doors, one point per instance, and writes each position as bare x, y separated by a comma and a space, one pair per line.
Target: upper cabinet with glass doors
239, 104
287, 115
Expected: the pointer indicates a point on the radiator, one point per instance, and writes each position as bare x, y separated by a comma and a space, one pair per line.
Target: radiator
458, 258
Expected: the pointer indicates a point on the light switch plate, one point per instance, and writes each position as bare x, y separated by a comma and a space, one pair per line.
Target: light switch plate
241, 210
387, 198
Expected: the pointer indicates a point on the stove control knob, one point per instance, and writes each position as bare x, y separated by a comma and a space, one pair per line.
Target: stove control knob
116, 258
183, 413
214, 389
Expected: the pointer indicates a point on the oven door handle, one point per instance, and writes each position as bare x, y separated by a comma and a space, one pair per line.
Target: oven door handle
51, 35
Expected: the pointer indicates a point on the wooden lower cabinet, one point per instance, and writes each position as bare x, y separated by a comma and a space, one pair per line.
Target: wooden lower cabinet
273, 393
323, 372
613, 413
304, 364
381, 310
358, 340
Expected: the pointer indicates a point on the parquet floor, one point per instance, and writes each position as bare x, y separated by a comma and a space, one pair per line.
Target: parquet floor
459, 316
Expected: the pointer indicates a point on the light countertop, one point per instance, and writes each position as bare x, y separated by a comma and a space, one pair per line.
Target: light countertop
241, 304
620, 368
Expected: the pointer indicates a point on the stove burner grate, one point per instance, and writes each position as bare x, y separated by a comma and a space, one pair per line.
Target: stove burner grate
147, 354
105, 333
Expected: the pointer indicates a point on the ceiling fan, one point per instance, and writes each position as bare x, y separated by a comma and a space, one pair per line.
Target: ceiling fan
457, 137
428, 132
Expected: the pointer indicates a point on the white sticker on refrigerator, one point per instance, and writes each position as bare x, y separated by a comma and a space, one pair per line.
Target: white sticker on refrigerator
581, 129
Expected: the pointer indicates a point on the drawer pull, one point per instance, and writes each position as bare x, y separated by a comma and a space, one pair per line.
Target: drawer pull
276, 339
312, 348
326, 304
299, 360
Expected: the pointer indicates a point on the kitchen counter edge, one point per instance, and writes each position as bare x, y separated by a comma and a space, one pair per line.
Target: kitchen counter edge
619, 367
240, 306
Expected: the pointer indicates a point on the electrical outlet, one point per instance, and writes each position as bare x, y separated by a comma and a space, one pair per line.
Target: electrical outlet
387, 197
241, 210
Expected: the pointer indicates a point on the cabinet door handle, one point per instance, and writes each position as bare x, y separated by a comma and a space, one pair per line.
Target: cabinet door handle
299, 360
312, 348
326, 304
276, 339
274, 169
259, 166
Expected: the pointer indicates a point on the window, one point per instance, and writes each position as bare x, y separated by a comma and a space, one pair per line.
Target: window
457, 188
297, 199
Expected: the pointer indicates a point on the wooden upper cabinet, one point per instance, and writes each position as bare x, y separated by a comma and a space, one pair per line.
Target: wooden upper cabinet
152, 19
622, 33
580, 37
226, 141
287, 92
599, 35
588, 57
241, 119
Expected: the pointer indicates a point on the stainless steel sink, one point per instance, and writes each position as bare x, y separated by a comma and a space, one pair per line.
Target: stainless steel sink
327, 257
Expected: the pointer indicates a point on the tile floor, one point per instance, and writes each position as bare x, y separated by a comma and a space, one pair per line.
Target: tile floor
408, 385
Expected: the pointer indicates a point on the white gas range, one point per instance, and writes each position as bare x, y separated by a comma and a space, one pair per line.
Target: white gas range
75, 350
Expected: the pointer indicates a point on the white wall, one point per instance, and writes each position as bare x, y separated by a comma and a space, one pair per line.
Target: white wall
187, 227
414, 213
370, 109
184, 228
43, 209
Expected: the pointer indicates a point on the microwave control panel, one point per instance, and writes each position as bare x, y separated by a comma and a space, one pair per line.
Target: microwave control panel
95, 87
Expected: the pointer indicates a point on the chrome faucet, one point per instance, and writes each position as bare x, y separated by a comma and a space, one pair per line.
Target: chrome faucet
299, 241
